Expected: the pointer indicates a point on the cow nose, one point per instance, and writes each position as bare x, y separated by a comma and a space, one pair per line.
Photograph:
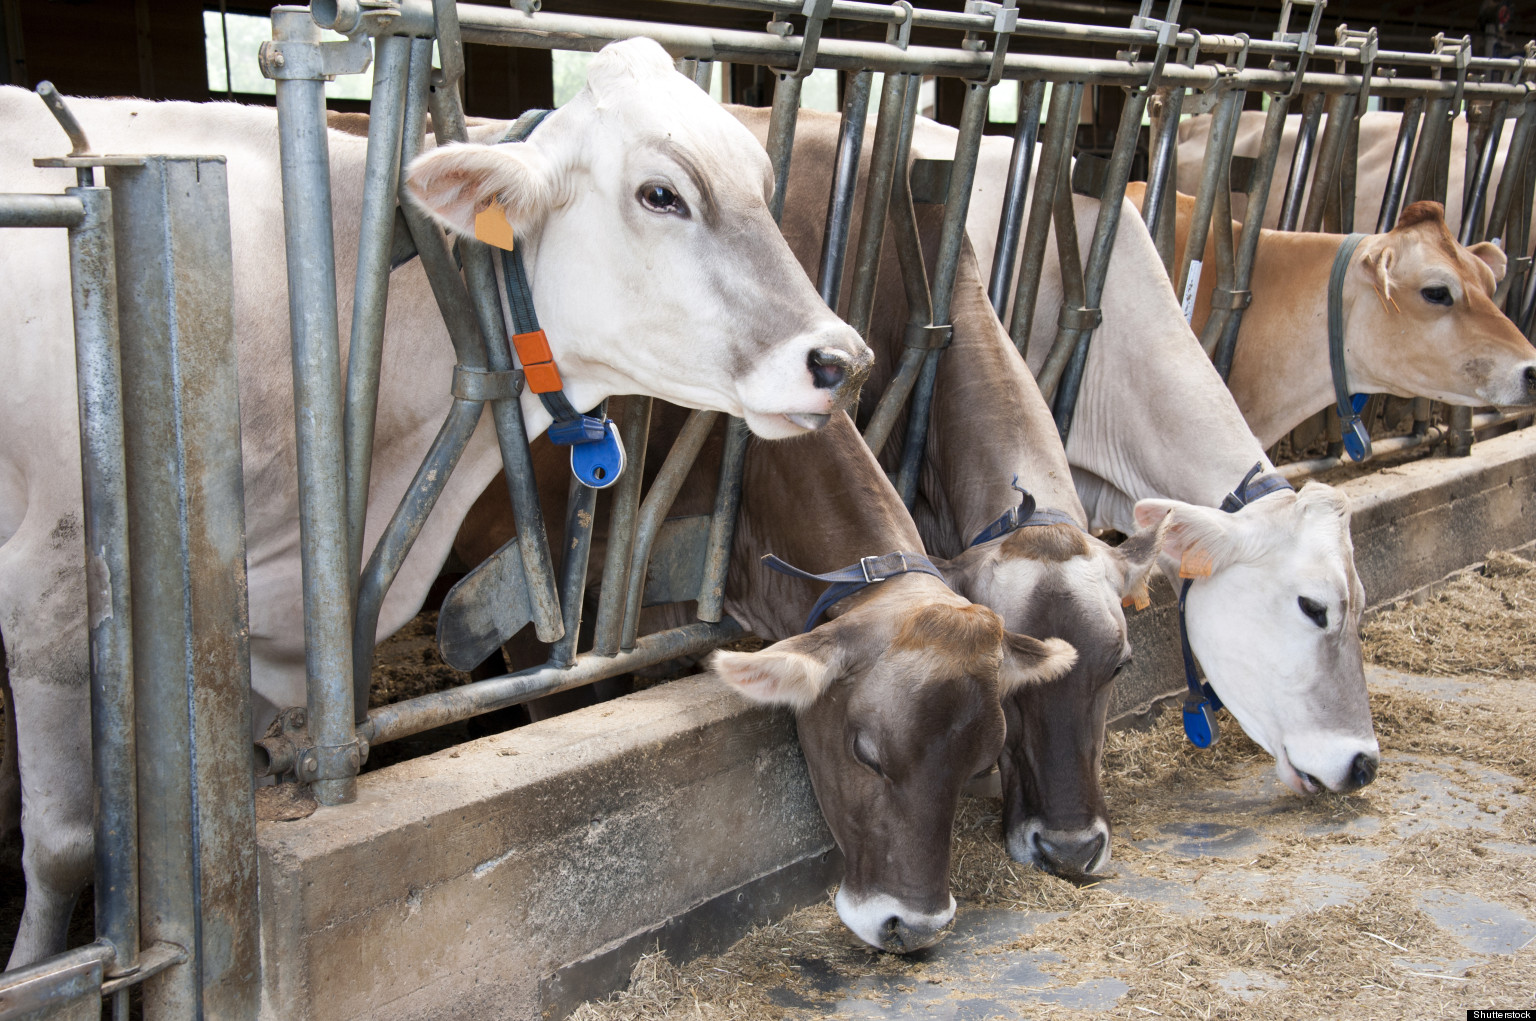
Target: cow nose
1070, 855
829, 367
1362, 770
897, 936
1530, 379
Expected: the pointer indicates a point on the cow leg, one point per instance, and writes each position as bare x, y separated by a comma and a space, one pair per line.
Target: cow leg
42, 618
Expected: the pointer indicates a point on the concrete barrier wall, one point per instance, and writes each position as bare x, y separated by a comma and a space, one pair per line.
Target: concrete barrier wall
521, 873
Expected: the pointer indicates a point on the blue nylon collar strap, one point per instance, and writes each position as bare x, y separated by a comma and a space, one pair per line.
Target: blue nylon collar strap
1357, 439
597, 455
1025, 515
1201, 701
855, 577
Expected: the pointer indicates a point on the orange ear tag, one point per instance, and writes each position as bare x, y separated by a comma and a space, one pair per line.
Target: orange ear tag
491, 226
1195, 564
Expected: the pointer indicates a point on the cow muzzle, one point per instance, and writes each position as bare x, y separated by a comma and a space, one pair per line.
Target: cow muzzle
1071, 854
885, 923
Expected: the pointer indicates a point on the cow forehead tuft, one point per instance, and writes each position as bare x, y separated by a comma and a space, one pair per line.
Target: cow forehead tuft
1056, 543
967, 637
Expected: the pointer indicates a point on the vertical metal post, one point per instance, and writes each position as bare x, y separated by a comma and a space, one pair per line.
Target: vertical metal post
973, 118
1020, 164
1472, 211
845, 178
1397, 172
1330, 155
634, 418
1055, 157
781, 135
191, 651
1159, 178
317, 394
877, 200
576, 552
1215, 173
93, 269
371, 289
722, 524
1301, 161
1426, 180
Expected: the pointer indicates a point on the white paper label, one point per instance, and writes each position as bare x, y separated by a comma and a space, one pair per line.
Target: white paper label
1191, 288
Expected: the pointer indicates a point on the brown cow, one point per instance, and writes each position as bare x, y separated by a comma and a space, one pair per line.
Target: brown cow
1419, 321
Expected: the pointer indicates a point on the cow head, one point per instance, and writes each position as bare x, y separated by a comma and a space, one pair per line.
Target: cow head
1422, 321
655, 264
1056, 581
1274, 619
898, 702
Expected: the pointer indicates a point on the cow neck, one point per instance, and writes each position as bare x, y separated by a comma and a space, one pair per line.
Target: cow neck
1201, 702
597, 455
845, 581
1357, 439
1025, 515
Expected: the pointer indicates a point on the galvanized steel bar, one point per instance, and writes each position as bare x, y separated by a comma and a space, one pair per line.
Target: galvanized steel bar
370, 295
781, 136
575, 554
845, 179
1055, 157
1073, 292
877, 200
311, 252
1515, 168
722, 523
402, 719
22, 210
1301, 162
1426, 180
1021, 164
674, 470
109, 606
1094, 274
1159, 184
511, 433
973, 119
1397, 172
1215, 174
1472, 213
399, 536
1330, 157
197, 829
634, 420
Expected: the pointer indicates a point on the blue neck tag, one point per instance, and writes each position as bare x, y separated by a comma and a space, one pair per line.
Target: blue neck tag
1357, 439
598, 464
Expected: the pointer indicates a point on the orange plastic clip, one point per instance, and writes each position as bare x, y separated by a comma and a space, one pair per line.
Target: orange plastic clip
538, 362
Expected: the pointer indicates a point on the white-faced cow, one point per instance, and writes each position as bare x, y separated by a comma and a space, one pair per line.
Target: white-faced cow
1275, 605
656, 268
1419, 321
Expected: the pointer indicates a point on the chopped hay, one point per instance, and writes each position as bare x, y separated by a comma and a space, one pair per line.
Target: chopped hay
1479, 623
1359, 959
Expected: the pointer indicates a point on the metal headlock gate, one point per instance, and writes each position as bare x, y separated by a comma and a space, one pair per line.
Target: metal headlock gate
174, 831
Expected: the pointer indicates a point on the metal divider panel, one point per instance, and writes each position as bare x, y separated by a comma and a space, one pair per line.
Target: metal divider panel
676, 569
485, 608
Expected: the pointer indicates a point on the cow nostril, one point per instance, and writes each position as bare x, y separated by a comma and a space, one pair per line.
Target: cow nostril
1530, 378
1362, 770
1317, 785
828, 367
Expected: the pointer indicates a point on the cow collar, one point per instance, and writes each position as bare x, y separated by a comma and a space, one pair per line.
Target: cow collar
597, 455
1201, 702
855, 577
1357, 439
1025, 515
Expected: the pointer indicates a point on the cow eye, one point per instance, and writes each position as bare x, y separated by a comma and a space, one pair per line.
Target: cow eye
1438, 296
658, 198
1316, 612
864, 751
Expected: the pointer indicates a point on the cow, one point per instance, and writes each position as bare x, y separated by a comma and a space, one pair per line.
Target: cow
990, 428
1419, 320
656, 268
1378, 137
1275, 601
898, 697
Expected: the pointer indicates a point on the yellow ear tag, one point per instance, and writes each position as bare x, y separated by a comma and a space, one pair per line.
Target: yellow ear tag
1138, 598
1195, 564
491, 226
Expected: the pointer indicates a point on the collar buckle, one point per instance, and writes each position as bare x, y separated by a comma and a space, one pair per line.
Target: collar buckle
870, 572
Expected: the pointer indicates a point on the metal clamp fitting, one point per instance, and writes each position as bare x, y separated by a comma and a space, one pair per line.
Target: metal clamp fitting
485, 384
928, 338
1080, 318
899, 34
307, 60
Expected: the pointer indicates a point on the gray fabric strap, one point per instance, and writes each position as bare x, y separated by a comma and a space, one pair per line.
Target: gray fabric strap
1336, 323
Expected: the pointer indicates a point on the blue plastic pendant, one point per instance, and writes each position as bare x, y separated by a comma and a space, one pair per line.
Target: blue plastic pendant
1200, 724
599, 464
1357, 440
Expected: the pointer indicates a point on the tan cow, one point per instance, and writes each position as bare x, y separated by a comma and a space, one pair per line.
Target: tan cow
1419, 321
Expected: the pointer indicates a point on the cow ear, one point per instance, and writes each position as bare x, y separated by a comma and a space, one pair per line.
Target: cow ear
1204, 539
1379, 255
1029, 660
794, 672
1494, 256
455, 182
1134, 559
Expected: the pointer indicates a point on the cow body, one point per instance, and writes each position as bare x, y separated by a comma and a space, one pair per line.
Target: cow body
1419, 321
1156, 434
694, 346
